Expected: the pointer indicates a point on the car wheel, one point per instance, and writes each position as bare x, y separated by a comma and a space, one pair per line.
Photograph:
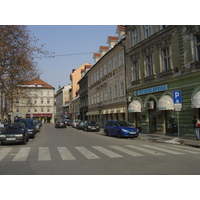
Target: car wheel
106, 133
25, 141
119, 134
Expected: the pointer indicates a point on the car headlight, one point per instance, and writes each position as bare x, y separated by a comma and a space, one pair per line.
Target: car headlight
97, 126
19, 135
2, 136
124, 130
89, 126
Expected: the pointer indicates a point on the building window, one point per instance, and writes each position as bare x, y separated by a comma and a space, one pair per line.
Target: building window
114, 62
48, 109
17, 110
165, 59
98, 97
41, 92
109, 66
105, 94
197, 44
42, 109
48, 101
29, 110
97, 75
121, 58
134, 36
42, 101
115, 91
95, 98
147, 31
105, 69
35, 109
35, 101
149, 65
101, 72
101, 96
110, 93
92, 100
48, 92
135, 71
122, 91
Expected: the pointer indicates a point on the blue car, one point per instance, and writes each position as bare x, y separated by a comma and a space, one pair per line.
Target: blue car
120, 129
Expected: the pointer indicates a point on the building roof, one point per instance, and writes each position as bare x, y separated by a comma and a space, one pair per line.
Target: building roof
37, 82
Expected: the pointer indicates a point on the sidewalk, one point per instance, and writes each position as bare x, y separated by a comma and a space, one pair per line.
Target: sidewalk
171, 139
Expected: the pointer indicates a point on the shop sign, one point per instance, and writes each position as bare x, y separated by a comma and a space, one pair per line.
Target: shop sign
151, 90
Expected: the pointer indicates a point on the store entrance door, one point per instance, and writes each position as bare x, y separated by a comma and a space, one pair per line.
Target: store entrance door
152, 120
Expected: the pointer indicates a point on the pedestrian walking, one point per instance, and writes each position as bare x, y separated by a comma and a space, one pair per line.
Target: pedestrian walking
196, 128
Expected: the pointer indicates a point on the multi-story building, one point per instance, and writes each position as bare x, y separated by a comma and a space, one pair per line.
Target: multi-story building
161, 59
62, 99
106, 81
36, 101
83, 82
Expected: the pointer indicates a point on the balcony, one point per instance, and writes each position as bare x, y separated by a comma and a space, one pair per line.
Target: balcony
195, 65
136, 82
149, 78
166, 73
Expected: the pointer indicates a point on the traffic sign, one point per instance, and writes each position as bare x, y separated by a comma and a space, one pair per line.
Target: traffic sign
177, 97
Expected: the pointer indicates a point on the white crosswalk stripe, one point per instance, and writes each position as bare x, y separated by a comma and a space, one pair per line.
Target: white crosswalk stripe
44, 154
107, 152
22, 154
65, 153
4, 152
145, 150
112, 151
162, 149
181, 149
132, 153
88, 154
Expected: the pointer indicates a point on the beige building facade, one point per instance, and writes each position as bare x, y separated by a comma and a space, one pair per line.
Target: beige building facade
36, 101
106, 83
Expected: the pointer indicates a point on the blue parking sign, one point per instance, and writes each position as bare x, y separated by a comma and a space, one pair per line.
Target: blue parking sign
177, 97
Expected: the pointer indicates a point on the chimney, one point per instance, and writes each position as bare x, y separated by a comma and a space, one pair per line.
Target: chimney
103, 50
120, 31
96, 57
112, 41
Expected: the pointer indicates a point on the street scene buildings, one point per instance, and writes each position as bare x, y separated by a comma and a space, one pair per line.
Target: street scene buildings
133, 78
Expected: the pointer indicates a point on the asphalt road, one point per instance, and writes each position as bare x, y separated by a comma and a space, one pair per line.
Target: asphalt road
75, 152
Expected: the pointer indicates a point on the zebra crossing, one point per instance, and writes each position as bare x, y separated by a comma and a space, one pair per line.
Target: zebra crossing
92, 152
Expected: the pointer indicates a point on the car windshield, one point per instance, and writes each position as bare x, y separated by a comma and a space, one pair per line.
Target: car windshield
124, 123
14, 126
26, 121
91, 123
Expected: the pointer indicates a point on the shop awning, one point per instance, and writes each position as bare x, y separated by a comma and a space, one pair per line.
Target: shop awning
134, 106
165, 103
39, 115
113, 110
93, 113
196, 100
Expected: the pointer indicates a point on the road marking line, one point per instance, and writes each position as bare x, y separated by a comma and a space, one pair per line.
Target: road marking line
146, 150
65, 153
22, 154
162, 149
44, 154
4, 152
88, 154
180, 149
126, 151
107, 152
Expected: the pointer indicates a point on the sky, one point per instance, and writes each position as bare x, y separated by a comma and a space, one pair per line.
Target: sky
67, 41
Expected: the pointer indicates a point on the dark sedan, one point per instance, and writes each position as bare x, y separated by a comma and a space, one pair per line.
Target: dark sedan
14, 132
60, 124
91, 126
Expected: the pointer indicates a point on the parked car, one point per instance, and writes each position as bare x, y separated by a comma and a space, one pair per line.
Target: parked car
80, 125
120, 129
69, 122
29, 125
37, 125
14, 132
60, 124
91, 126
75, 122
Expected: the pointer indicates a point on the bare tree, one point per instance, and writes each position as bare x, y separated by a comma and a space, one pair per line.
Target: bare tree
17, 65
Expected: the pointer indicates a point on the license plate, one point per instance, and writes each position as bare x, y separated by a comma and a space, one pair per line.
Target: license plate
133, 133
93, 128
61, 124
10, 139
